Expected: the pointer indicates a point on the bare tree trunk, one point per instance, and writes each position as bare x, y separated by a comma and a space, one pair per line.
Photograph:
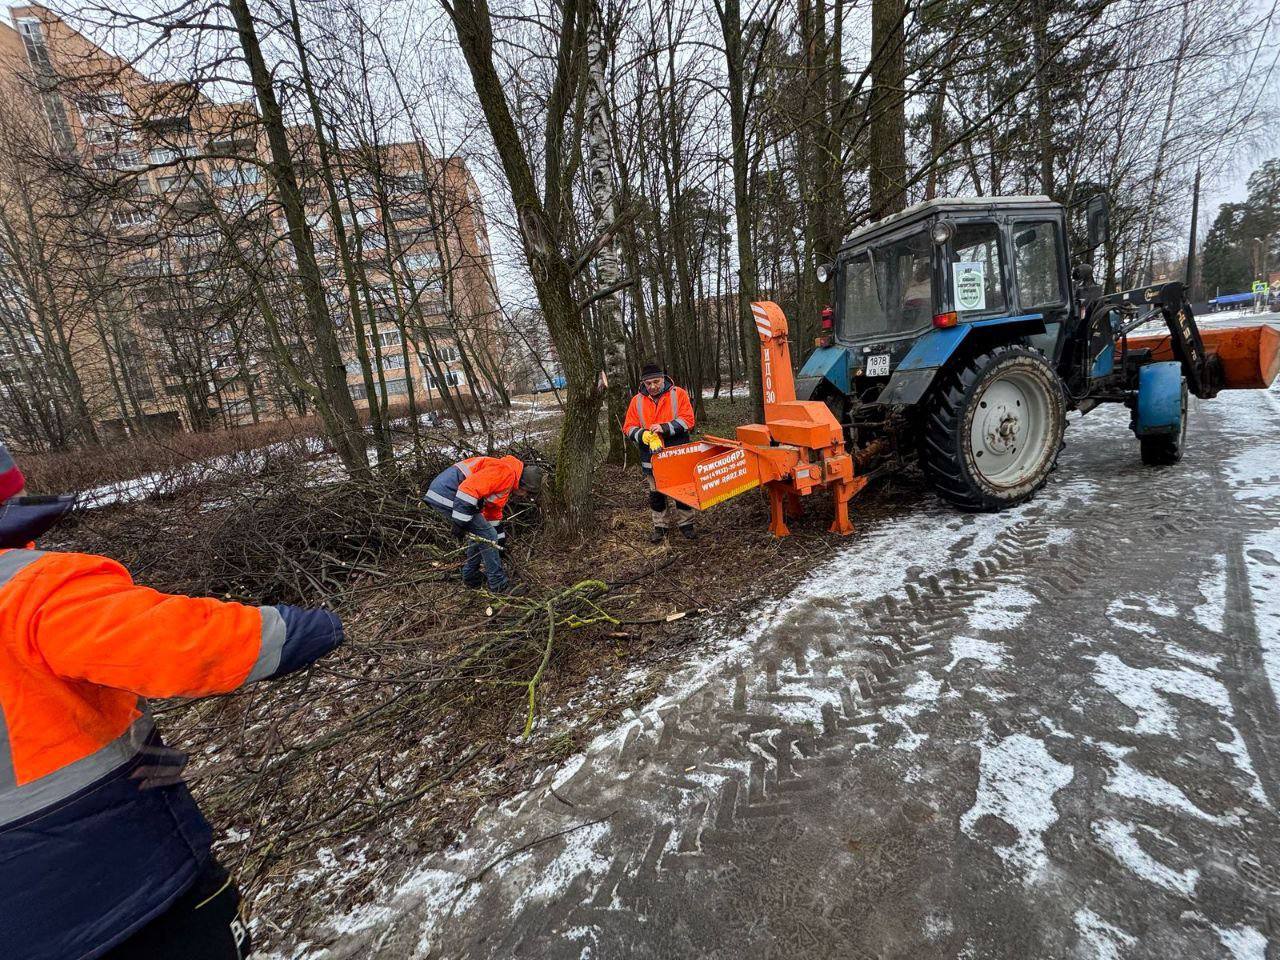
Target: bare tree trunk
731, 28
335, 405
377, 419
887, 131
541, 233
604, 207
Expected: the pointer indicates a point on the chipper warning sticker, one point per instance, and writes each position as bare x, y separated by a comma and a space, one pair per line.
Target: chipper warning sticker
725, 476
969, 279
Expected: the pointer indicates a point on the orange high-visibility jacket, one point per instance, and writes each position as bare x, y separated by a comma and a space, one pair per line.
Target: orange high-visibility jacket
670, 413
81, 646
477, 484
86, 857
671, 406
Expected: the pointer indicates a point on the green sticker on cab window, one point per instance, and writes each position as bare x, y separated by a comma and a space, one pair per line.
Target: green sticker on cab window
969, 279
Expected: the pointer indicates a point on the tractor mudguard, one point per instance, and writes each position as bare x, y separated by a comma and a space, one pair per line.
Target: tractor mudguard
826, 363
932, 351
1159, 411
808, 388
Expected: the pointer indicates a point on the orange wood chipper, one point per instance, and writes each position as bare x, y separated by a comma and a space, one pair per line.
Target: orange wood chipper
797, 450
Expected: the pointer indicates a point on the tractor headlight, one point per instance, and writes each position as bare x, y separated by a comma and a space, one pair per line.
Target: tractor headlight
942, 231
823, 272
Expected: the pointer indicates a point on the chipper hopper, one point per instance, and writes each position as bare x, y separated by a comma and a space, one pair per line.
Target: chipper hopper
797, 450
960, 339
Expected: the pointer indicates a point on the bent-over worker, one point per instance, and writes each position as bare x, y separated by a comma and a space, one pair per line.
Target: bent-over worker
660, 414
472, 494
103, 850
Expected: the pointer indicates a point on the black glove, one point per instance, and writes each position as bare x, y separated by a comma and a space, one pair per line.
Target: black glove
502, 534
459, 532
161, 767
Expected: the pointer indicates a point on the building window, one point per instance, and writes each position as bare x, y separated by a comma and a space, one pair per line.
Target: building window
130, 218
420, 263
240, 175
97, 133
395, 387
453, 378
113, 104
410, 237
410, 183
362, 217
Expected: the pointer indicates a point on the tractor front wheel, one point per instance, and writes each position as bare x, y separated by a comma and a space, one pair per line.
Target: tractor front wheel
1164, 450
993, 428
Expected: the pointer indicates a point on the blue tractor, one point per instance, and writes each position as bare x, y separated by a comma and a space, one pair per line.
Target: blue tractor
961, 337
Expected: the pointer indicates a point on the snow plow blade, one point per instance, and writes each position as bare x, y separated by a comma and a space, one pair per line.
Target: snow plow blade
1250, 356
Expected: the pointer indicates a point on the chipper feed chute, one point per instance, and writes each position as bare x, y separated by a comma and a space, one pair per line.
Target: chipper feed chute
1249, 356
797, 450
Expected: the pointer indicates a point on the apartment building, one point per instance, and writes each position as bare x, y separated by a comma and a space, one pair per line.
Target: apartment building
176, 336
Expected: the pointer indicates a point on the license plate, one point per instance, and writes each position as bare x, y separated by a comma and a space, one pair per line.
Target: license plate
878, 365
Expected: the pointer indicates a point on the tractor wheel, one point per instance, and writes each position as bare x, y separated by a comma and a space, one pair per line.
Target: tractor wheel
1166, 450
993, 428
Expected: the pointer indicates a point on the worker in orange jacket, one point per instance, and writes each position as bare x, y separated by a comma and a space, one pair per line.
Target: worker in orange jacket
472, 495
660, 414
103, 851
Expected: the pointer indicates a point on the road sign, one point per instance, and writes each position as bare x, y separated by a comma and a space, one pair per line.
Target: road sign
1259, 286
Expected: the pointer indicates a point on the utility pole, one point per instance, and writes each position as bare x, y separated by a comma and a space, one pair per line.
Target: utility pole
1191, 244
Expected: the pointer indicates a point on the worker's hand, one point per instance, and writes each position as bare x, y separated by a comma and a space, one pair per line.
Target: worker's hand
459, 532
651, 440
161, 767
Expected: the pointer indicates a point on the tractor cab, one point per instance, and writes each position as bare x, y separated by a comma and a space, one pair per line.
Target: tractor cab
908, 289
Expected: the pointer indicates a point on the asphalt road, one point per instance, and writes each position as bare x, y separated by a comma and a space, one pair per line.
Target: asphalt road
1051, 732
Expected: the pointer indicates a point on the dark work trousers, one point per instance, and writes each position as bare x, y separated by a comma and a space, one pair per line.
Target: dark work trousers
203, 924
661, 507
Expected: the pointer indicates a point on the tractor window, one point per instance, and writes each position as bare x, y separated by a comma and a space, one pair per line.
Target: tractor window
1036, 259
889, 290
975, 269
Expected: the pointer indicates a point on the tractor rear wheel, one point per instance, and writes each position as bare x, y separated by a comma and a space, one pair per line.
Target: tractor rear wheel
993, 428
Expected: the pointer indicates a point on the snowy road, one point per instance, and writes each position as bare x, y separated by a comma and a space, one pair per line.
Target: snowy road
1046, 733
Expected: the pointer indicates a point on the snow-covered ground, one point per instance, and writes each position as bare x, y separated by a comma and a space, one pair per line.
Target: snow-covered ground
528, 422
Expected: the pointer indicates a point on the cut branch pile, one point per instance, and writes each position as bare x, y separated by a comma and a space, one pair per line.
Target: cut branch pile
433, 685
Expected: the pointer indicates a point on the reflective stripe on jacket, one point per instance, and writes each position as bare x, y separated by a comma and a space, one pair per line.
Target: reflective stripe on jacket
476, 485
671, 409
86, 858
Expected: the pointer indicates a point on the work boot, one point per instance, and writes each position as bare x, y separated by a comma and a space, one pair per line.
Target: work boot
511, 590
688, 532
658, 535
475, 584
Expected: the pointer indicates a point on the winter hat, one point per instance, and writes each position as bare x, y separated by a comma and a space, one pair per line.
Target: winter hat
651, 369
531, 478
